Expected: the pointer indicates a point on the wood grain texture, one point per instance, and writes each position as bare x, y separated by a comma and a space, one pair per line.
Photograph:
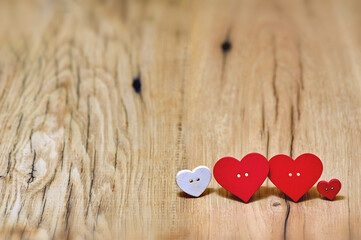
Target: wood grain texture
103, 102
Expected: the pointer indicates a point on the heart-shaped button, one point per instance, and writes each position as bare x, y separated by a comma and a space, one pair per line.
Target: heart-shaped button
242, 178
329, 189
295, 177
194, 182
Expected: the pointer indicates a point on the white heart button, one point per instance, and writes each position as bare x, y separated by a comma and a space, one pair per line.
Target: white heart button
194, 182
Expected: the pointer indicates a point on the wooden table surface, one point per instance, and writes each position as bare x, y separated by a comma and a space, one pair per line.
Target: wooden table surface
103, 102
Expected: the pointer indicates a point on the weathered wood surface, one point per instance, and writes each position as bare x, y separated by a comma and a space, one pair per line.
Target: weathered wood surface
85, 153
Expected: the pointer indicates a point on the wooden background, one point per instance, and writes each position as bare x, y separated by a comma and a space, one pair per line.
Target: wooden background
103, 102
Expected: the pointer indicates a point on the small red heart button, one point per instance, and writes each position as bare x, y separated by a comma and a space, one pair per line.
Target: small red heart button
329, 189
295, 177
242, 178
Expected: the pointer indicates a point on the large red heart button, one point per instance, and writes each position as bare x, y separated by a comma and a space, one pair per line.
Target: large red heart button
242, 178
295, 177
329, 189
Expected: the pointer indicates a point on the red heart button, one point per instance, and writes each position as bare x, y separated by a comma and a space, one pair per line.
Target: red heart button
329, 189
295, 177
242, 178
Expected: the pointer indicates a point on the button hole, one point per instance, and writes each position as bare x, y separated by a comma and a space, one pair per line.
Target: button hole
190, 180
197, 179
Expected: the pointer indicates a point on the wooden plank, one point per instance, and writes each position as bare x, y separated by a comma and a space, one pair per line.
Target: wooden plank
103, 102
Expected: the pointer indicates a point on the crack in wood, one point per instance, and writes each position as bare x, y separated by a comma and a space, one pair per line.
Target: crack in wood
40, 86
19, 124
274, 76
292, 132
116, 151
92, 183
9, 163
69, 178
62, 154
56, 227
44, 192
287, 216
42, 212
31, 179
263, 116
25, 78
300, 86
56, 73
88, 124
46, 111
18, 217
78, 87
31, 140
6, 206
68, 208
180, 153
267, 148
300, 64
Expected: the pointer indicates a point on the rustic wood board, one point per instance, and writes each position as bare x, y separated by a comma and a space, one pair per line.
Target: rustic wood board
103, 102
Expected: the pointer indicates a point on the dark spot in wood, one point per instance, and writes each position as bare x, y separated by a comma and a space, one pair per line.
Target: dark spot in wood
226, 46
137, 84
276, 204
